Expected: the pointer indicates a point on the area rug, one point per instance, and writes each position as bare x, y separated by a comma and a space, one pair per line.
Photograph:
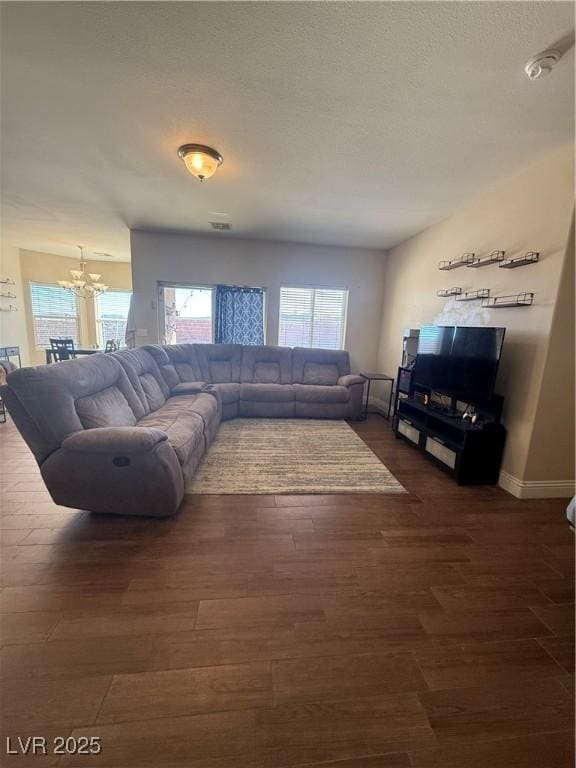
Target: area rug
259, 456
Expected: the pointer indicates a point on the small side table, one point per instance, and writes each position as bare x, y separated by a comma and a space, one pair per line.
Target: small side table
370, 377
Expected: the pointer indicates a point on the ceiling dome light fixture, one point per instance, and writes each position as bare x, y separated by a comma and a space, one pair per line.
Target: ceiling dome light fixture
542, 64
201, 161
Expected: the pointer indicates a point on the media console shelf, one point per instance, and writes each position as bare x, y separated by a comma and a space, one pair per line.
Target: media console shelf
472, 453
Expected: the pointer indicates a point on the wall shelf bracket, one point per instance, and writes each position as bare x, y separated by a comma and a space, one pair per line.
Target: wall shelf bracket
481, 293
494, 258
521, 261
446, 292
523, 299
466, 260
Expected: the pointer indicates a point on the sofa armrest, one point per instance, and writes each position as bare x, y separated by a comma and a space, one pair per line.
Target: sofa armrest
350, 380
131, 440
116, 471
189, 388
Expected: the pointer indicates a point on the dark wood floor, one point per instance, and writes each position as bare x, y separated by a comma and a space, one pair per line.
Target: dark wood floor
433, 630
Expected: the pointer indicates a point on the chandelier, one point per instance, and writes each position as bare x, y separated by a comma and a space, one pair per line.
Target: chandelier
84, 284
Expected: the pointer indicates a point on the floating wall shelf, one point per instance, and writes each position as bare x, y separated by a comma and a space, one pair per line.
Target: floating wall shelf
521, 261
466, 260
494, 258
6, 281
523, 299
449, 292
7, 295
9, 308
481, 293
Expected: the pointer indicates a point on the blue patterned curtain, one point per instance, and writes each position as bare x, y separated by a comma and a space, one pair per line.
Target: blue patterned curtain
239, 315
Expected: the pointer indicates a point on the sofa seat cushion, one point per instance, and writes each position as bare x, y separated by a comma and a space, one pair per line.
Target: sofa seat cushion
206, 406
314, 393
230, 393
181, 420
267, 393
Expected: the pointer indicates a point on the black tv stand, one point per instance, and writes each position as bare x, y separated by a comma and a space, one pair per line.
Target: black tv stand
472, 453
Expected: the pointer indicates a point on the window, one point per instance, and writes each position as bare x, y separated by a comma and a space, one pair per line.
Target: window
188, 314
312, 317
111, 316
54, 313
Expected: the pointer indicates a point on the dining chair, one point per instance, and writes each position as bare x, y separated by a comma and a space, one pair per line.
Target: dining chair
62, 349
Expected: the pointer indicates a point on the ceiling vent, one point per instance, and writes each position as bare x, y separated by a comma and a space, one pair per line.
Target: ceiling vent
221, 226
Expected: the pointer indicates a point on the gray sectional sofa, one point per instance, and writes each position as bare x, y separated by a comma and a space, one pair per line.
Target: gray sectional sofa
122, 433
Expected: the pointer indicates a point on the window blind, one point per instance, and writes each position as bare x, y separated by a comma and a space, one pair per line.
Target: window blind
312, 317
112, 314
54, 312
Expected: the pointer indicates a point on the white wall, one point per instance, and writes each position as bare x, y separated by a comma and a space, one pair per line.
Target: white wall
13, 324
38, 267
552, 445
221, 259
530, 211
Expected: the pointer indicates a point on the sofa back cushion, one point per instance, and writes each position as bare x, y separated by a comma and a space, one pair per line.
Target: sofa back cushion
153, 391
266, 365
323, 374
219, 363
165, 365
266, 373
185, 361
178, 363
145, 377
319, 366
107, 408
54, 401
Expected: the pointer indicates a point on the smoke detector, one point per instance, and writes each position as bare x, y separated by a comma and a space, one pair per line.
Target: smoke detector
542, 64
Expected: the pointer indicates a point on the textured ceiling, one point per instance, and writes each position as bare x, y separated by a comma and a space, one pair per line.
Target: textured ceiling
340, 123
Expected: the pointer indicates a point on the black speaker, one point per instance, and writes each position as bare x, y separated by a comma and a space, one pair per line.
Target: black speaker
405, 381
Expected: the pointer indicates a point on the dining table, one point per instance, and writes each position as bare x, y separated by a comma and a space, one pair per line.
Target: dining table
51, 354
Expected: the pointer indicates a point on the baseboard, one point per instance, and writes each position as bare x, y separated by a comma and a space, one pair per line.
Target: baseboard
536, 489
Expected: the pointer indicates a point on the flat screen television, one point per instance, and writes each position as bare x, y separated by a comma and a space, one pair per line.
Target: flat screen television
459, 361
